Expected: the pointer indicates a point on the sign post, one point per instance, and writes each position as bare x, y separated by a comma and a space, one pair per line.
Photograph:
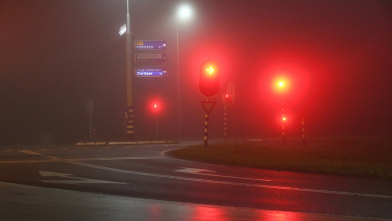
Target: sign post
207, 106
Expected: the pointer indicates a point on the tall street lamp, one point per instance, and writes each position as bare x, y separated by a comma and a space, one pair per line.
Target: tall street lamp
184, 13
129, 111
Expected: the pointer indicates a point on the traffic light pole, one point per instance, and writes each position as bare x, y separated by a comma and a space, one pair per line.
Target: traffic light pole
206, 131
225, 121
91, 127
303, 132
157, 127
283, 131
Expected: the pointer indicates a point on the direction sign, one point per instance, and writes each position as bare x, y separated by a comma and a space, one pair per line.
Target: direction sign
151, 71
150, 57
150, 45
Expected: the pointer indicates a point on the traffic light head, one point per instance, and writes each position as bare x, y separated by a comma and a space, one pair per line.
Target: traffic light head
209, 80
155, 106
281, 84
228, 99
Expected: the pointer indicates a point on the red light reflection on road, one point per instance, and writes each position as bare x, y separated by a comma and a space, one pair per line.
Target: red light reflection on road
193, 212
155, 211
278, 216
209, 213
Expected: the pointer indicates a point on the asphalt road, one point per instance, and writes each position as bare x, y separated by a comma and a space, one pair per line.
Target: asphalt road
144, 171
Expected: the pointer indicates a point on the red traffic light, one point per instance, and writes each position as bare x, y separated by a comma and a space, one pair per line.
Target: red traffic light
155, 106
281, 84
228, 99
209, 80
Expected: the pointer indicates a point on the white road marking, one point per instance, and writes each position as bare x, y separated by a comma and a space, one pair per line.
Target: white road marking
79, 159
199, 172
27, 161
76, 180
217, 182
118, 158
30, 152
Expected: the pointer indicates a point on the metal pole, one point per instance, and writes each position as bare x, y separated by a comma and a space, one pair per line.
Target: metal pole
225, 121
206, 131
91, 127
94, 135
303, 132
130, 122
178, 89
157, 127
283, 134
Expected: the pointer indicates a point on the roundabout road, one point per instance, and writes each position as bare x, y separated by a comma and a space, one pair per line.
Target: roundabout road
145, 171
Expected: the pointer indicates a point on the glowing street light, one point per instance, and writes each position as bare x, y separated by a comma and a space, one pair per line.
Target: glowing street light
184, 13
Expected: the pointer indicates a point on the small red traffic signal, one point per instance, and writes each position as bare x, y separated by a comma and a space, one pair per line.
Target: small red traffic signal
227, 99
209, 80
155, 106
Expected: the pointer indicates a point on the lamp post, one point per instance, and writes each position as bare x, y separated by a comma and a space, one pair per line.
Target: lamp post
184, 13
128, 57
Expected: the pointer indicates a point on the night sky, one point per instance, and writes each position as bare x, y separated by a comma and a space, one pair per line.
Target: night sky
57, 55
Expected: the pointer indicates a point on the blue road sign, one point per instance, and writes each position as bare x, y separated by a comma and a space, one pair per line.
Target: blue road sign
150, 45
143, 58
151, 71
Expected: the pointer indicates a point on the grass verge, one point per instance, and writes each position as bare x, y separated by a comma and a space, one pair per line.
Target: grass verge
361, 156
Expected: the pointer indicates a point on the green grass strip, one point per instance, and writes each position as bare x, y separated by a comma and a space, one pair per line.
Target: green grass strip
364, 157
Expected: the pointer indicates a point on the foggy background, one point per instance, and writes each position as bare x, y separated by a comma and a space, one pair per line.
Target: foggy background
57, 55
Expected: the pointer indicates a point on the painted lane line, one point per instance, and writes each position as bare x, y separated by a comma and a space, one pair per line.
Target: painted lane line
199, 172
117, 158
30, 152
220, 182
76, 180
27, 161
81, 159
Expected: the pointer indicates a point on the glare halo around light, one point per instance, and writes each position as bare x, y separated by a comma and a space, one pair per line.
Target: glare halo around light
281, 84
184, 12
